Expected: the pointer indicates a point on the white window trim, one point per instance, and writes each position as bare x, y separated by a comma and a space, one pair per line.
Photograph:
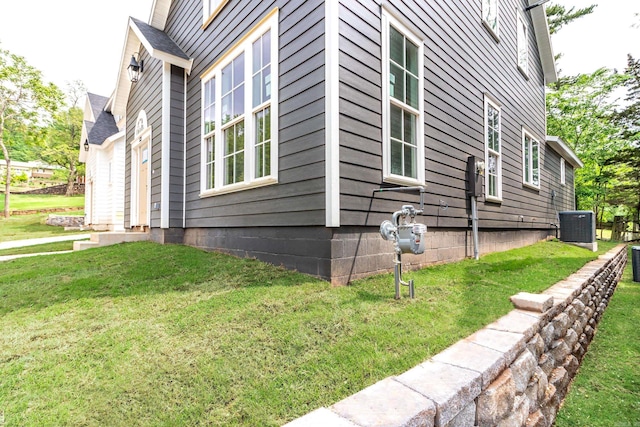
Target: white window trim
389, 19
494, 32
270, 22
527, 180
521, 22
489, 101
209, 15
563, 171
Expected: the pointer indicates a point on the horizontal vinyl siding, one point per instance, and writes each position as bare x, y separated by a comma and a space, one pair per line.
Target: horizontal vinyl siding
462, 62
298, 198
146, 95
176, 180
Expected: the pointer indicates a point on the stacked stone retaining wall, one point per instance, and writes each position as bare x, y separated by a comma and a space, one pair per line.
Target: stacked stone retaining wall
514, 372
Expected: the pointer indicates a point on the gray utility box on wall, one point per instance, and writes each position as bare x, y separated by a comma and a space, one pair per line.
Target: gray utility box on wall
578, 226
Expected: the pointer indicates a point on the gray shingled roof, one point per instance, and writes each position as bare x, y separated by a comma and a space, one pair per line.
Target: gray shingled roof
97, 103
159, 39
105, 125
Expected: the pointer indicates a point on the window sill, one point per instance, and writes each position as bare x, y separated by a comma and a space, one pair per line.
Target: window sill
399, 180
492, 199
524, 73
233, 188
531, 186
493, 33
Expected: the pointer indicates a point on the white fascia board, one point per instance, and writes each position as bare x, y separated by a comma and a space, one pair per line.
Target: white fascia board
113, 139
159, 13
560, 147
543, 38
123, 84
332, 113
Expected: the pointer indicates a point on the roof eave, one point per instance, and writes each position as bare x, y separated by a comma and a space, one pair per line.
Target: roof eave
559, 146
543, 37
133, 40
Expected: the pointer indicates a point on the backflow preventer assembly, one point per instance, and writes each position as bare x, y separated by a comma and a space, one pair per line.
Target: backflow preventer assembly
407, 236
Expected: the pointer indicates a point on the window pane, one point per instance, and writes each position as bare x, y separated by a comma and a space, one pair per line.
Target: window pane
396, 46
266, 48
412, 57
238, 101
257, 89
226, 108
227, 79
396, 82
409, 161
266, 85
257, 56
239, 135
238, 70
396, 157
239, 167
409, 128
228, 171
229, 141
396, 122
527, 170
412, 91
535, 163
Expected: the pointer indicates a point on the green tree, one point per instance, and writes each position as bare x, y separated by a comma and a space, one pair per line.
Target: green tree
24, 100
558, 16
63, 136
581, 110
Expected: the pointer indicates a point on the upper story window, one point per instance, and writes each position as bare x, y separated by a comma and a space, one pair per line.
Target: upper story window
210, 9
523, 44
530, 160
239, 114
493, 149
563, 172
490, 15
403, 117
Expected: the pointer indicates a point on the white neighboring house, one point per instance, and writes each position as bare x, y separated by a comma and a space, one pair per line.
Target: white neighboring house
102, 149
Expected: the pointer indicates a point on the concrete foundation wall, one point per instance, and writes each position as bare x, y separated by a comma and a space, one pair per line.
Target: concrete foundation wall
344, 254
514, 372
359, 252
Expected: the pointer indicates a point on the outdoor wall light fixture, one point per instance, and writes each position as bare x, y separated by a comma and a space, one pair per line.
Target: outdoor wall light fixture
135, 67
86, 145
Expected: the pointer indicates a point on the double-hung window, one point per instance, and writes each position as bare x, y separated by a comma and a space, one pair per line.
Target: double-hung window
239, 119
530, 160
403, 117
523, 44
493, 149
490, 15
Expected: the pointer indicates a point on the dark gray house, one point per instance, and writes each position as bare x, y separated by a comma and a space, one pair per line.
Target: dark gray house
264, 128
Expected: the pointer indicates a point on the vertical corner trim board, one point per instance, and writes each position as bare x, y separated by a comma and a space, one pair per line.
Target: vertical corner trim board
515, 371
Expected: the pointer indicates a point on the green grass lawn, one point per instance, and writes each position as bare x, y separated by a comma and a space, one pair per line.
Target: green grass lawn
41, 201
147, 334
606, 391
47, 247
18, 227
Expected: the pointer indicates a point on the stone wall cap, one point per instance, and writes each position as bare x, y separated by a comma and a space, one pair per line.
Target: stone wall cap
532, 302
387, 403
451, 387
321, 417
